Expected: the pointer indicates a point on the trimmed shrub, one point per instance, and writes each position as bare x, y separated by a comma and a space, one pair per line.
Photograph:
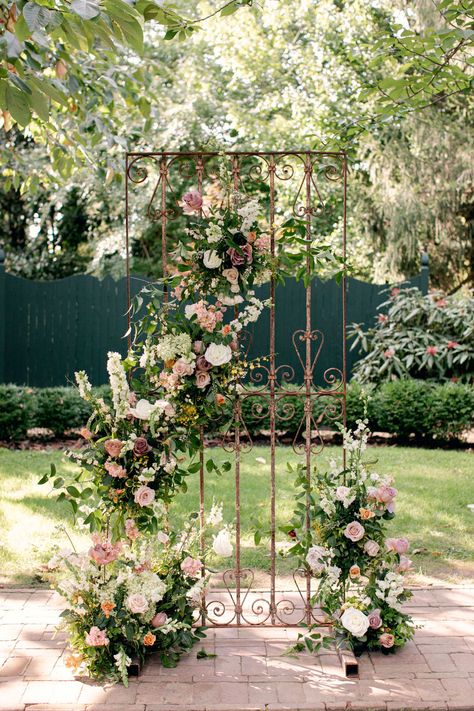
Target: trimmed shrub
60, 409
17, 409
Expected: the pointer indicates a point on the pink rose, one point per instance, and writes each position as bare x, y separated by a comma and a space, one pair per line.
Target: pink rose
103, 553
182, 368
96, 637
242, 255
160, 619
375, 621
198, 347
115, 470
387, 640
371, 548
202, 363
191, 567
85, 433
131, 529
354, 531
202, 379
398, 545
141, 447
232, 275
137, 603
192, 202
144, 496
404, 565
386, 494
132, 399
113, 447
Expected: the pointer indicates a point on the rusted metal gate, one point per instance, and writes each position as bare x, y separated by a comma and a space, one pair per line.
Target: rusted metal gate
311, 186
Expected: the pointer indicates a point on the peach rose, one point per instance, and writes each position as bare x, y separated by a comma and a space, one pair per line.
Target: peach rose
219, 399
113, 447
354, 531
107, 608
85, 433
251, 237
366, 514
149, 639
354, 571
182, 368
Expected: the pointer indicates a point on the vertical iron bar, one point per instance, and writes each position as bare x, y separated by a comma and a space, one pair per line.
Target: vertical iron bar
238, 414
164, 254
308, 377
344, 302
127, 257
272, 398
202, 538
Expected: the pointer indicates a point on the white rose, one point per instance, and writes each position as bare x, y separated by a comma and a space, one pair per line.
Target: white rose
371, 548
222, 545
137, 603
218, 354
355, 621
211, 259
142, 410
190, 310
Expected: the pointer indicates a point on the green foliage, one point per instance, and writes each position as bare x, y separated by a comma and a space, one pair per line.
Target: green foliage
60, 409
413, 407
426, 337
16, 411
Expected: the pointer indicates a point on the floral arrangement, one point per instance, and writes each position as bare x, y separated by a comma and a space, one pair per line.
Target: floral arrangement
229, 251
193, 355
132, 597
360, 571
130, 466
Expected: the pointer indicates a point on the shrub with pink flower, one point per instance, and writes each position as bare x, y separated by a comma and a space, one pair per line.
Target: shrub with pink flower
360, 579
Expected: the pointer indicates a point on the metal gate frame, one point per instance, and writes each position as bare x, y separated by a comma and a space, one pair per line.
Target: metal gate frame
272, 167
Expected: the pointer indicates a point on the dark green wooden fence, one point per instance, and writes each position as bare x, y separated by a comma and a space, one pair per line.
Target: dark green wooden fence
50, 329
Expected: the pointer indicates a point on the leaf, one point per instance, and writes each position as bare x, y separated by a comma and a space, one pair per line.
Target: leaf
18, 105
202, 654
229, 10
36, 17
40, 104
87, 9
22, 31
72, 491
14, 46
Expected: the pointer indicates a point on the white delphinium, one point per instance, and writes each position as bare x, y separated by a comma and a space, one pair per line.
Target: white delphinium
249, 211
215, 515
194, 593
118, 384
327, 506
83, 384
390, 588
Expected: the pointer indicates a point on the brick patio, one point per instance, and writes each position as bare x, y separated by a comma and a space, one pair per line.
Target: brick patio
434, 672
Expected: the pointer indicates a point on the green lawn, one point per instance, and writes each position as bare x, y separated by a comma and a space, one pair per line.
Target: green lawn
435, 487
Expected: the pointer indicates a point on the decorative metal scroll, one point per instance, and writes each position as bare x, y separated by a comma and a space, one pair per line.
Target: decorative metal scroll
303, 181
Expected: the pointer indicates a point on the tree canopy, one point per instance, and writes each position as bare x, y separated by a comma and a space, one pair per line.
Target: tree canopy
387, 81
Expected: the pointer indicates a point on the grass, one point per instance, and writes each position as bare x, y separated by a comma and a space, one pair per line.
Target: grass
435, 487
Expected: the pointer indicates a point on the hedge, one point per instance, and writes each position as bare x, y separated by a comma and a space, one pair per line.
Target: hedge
402, 407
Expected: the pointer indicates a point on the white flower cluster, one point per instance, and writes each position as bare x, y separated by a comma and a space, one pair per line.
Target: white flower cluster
194, 594
118, 384
390, 588
316, 558
249, 211
172, 345
213, 233
357, 439
250, 313
345, 495
147, 584
83, 384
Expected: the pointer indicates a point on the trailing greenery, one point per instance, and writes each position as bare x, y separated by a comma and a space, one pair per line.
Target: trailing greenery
403, 408
418, 336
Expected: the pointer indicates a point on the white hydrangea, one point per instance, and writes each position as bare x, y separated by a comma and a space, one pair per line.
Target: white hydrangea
213, 233
172, 345
147, 584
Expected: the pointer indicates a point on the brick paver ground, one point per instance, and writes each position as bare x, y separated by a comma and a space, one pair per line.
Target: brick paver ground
436, 671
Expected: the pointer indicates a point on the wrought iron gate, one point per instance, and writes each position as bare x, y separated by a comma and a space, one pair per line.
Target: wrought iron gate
309, 184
